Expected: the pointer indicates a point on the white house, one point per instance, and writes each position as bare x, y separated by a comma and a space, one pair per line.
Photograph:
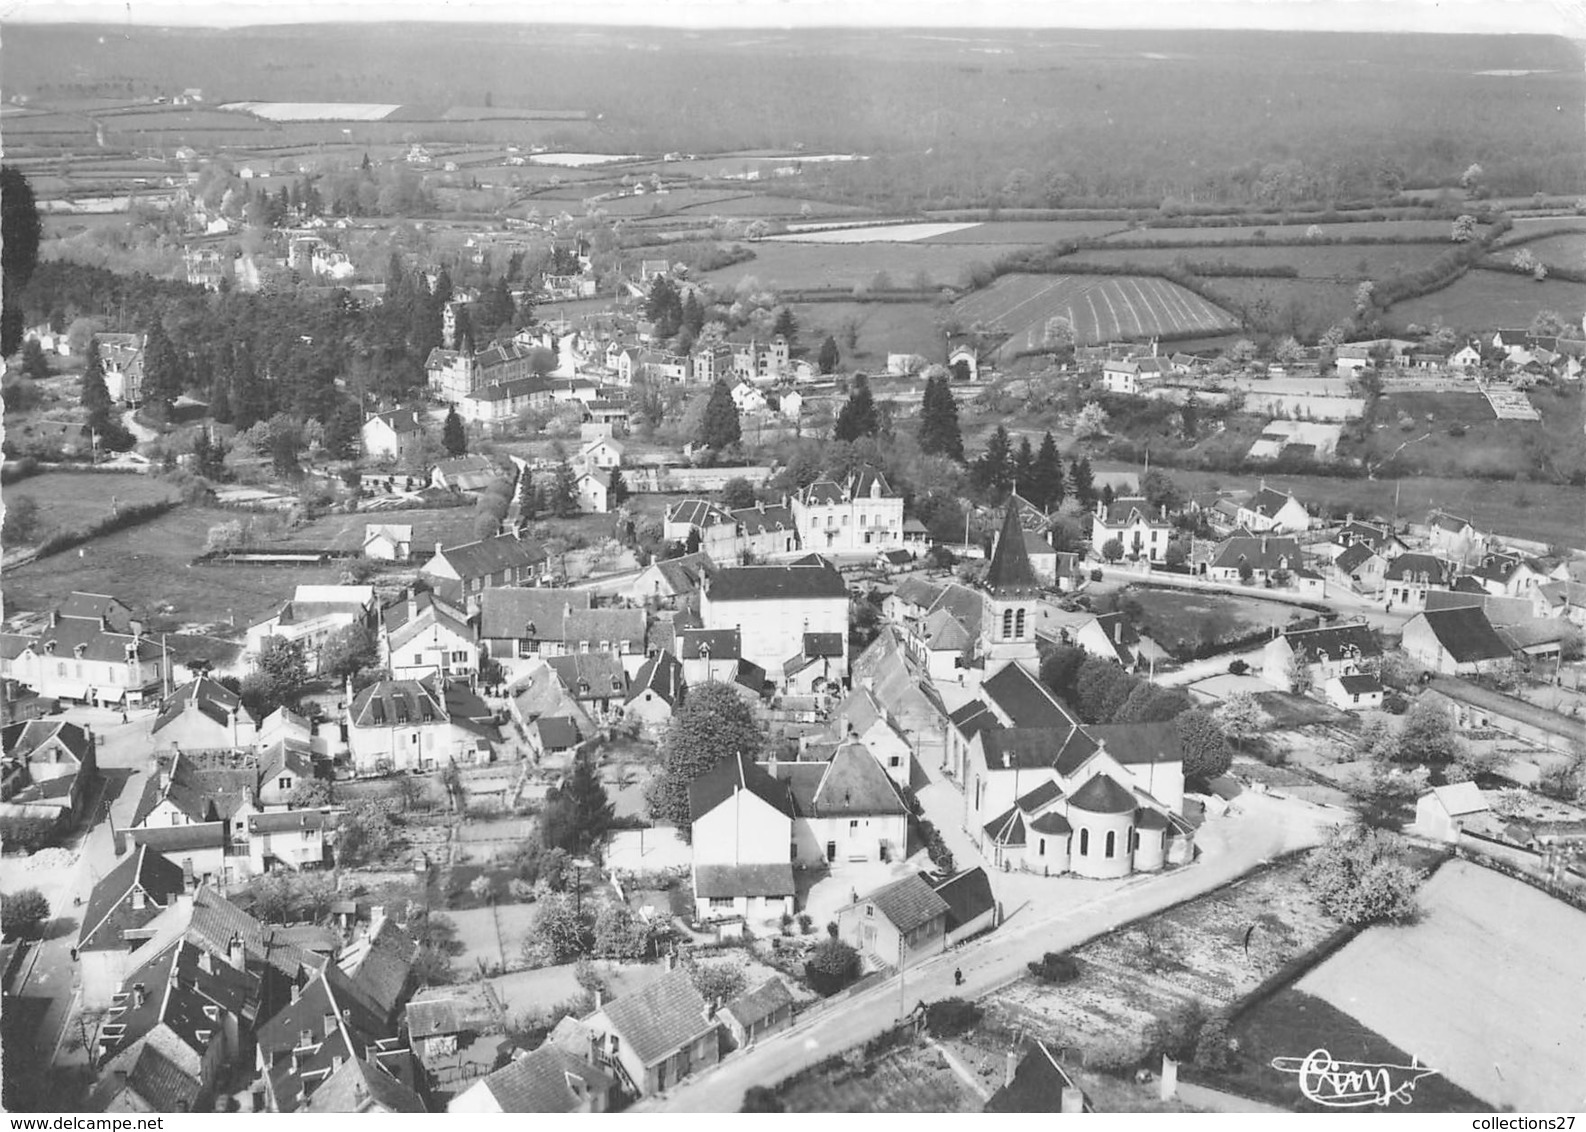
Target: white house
775, 609
388, 542
748, 398
594, 491
863, 514
1270, 511
602, 453
409, 725
743, 848
1129, 520
1443, 812
1326, 653
425, 635
1454, 641
1120, 377
1357, 692
845, 810
314, 613
395, 435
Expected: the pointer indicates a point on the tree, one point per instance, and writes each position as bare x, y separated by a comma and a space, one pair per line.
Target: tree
1100, 689
832, 965
1428, 736
828, 358
23, 913
737, 493
858, 416
714, 723
209, 457
562, 497
1471, 178
1361, 876
1023, 465
720, 427
1463, 230
162, 369
1205, 747
760, 1098
95, 395
558, 935
1081, 482
577, 816
663, 307
619, 934
1240, 716
1161, 490
617, 490
993, 472
347, 651
718, 983
453, 436
786, 325
1242, 351
1112, 549
20, 234
311, 793
34, 364
1288, 350
1297, 671
939, 430
21, 520
528, 499
1046, 478
1091, 422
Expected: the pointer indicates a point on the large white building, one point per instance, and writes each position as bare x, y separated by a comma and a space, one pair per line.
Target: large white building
861, 515
781, 613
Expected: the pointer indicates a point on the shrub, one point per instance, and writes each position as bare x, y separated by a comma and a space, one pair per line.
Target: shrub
951, 1017
1214, 1049
1176, 1033
761, 1099
832, 966
1113, 1055
1238, 667
718, 982
29, 835
806, 923
1056, 967
1395, 704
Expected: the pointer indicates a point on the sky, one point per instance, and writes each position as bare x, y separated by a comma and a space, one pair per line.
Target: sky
1566, 17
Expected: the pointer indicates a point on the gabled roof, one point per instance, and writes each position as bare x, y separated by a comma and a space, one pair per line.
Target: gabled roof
1024, 699
1103, 795
109, 910
1037, 1085
917, 591
660, 1018
907, 903
1269, 501
723, 881
753, 1007
1026, 748
697, 513
1461, 798
388, 702
398, 420
1127, 510
1139, 743
591, 675
508, 612
1334, 641
612, 624
967, 895
20, 740
491, 555
1410, 567
361, 1085
1011, 574
716, 644
543, 1081
661, 674
1466, 634
854, 783
686, 573
211, 697
1355, 555
1261, 552
764, 518
729, 775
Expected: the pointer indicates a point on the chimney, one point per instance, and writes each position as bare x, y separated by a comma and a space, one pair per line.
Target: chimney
437, 548
55, 618
1263, 544
296, 990
104, 622
1117, 631
1073, 1099
206, 962
1010, 1065
599, 998
413, 605
330, 1023
140, 994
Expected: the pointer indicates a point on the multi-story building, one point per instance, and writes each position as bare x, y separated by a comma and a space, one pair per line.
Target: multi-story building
454, 374
90, 650
862, 515
1129, 520
776, 608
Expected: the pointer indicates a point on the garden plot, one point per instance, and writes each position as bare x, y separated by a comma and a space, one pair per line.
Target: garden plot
1099, 308
913, 1079
1511, 405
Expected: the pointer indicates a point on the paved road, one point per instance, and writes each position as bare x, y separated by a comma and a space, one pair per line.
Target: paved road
1264, 828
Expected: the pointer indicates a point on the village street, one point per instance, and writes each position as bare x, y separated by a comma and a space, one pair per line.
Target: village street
1259, 829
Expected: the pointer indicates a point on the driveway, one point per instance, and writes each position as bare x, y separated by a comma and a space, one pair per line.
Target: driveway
1256, 830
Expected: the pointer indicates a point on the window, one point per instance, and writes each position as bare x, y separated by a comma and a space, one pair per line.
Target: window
853, 824
1041, 847
1112, 839
895, 761
870, 910
1007, 624
418, 658
1084, 843
721, 903
285, 782
1018, 624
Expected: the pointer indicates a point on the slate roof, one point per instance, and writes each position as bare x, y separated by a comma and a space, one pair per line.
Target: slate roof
1103, 795
1262, 552
613, 624
98, 644
507, 612
718, 644
697, 513
724, 881
967, 895
377, 965
776, 583
1007, 828
764, 519
686, 573
765, 1001
823, 644
661, 674
1335, 641
946, 633
360, 1085
963, 603
1037, 1085
19, 740
1025, 748
1023, 699
556, 732
1126, 509
399, 420
1052, 824
1410, 566
735, 772
1359, 685
398, 701
434, 1016
492, 555
660, 1018
109, 909
162, 1084
181, 838
972, 718
513, 390
907, 903
1010, 574
1139, 743
1269, 501
917, 591
1355, 555
1466, 634
540, 1082
601, 672
287, 821
853, 782
211, 697
1461, 798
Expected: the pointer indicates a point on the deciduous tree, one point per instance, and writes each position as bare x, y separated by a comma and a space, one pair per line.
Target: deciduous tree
1205, 746
714, 723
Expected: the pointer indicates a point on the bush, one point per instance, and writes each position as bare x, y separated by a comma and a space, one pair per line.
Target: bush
1214, 1049
29, 835
761, 1099
832, 966
1113, 1055
1177, 1033
806, 923
951, 1017
1056, 967
1238, 667
718, 982
1395, 704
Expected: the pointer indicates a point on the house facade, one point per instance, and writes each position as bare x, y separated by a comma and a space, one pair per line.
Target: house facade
774, 608
860, 515
395, 435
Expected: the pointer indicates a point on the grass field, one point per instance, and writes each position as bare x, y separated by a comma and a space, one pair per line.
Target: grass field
1023, 233
1544, 512
1318, 303
1100, 308
1490, 298
1486, 446
1564, 250
780, 265
149, 568
1182, 621
1351, 262
872, 234
72, 501
448, 525
906, 1080
1515, 1034
884, 328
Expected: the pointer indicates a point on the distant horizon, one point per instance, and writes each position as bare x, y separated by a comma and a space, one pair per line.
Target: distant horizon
1449, 17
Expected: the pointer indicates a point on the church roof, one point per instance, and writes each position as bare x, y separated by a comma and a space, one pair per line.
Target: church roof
1011, 574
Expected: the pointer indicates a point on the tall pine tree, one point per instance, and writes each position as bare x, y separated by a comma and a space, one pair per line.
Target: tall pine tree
1023, 466
720, 427
453, 436
1047, 485
617, 491
95, 395
858, 416
528, 498
994, 470
220, 401
1082, 483
250, 397
162, 368
828, 358
939, 432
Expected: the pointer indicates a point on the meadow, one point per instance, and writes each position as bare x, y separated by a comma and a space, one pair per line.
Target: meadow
72, 501
787, 266
1350, 262
883, 328
1481, 299
1356, 229
1564, 250
1100, 308
1183, 622
1022, 233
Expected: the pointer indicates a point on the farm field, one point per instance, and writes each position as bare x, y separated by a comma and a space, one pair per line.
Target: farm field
794, 266
316, 111
663, 204
70, 501
873, 234
1486, 446
1325, 261
1388, 978
1541, 511
884, 328
1100, 308
149, 568
912, 1079
1192, 952
1490, 298
1315, 303
1376, 229
1564, 250
1183, 621
1023, 233
757, 204
448, 525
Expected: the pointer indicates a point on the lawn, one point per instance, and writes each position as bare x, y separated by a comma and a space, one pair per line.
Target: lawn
1541, 511
1375, 229
72, 501
1184, 621
447, 525
1515, 1032
1196, 951
150, 568
1485, 445
884, 328
1564, 250
912, 1079
1489, 298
